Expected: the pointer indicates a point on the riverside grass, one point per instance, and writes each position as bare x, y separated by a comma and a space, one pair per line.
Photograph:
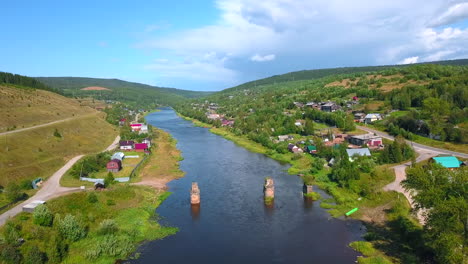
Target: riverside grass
132, 209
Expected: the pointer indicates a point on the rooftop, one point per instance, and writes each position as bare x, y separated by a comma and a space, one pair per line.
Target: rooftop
448, 162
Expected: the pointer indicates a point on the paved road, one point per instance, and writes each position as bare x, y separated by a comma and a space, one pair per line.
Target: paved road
415, 145
51, 188
424, 152
43, 125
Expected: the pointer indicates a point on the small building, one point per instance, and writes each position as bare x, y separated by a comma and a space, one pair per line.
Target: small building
147, 141
369, 118
141, 147
144, 128
126, 144
298, 104
294, 149
122, 121
31, 206
114, 165
329, 107
135, 127
358, 152
449, 162
368, 139
213, 116
311, 149
226, 122
284, 138
359, 117
118, 155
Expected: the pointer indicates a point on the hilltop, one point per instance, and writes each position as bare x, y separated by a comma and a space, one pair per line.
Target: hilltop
133, 93
320, 73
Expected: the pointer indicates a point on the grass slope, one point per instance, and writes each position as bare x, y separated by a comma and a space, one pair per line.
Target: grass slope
23, 107
38, 153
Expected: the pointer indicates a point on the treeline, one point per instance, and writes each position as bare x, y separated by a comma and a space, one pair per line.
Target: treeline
16, 79
89, 165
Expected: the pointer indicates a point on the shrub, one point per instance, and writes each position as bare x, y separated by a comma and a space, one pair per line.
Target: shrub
26, 185
42, 216
92, 198
57, 133
110, 202
34, 256
312, 195
108, 226
10, 255
13, 192
70, 228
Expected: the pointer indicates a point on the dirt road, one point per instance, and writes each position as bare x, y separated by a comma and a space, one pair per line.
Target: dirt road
44, 125
51, 188
424, 152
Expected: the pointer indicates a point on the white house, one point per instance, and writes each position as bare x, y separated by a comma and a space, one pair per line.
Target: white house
369, 118
358, 152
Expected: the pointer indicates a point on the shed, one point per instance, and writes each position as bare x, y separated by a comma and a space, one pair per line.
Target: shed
31, 206
118, 155
126, 144
449, 162
311, 149
359, 152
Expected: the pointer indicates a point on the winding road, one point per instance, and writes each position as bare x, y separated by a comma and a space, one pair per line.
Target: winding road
424, 153
51, 187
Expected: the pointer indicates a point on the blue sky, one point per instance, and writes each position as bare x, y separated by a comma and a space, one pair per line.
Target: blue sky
212, 45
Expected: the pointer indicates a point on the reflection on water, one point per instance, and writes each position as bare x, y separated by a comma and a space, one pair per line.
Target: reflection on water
232, 223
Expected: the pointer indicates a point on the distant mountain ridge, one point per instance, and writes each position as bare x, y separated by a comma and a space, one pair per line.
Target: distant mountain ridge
319, 73
129, 92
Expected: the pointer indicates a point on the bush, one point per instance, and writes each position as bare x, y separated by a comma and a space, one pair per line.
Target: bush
70, 228
42, 216
108, 226
26, 185
34, 256
110, 202
13, 192
92, 198
111, 245
10, 255
57, 134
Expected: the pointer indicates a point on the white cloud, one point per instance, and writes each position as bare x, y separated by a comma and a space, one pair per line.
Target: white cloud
312, 33
410, 60
259, 58
454, 14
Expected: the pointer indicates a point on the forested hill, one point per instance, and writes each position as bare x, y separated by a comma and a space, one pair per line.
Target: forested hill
24, 81
319, 73
133, 93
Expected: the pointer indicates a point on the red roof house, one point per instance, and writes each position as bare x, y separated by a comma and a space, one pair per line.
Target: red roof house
141, 147
135, 127
114, 165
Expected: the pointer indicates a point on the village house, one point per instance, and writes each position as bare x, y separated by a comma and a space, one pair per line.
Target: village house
143, 129
135, 127
294, 149
313, 105
141, 147
329, 107
147, 141
114, 166
213, 116
311, 149
358, 152
369, 118
359, 117
118, 155
285, 138
126, 144
226, 122
449, 162
122, 121
298, 104
367, 139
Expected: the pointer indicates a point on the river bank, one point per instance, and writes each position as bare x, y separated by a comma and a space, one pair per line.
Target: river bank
376, 210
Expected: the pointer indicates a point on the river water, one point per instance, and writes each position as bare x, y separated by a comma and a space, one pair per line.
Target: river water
232, 224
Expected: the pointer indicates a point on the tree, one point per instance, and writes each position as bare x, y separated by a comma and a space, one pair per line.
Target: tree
13, 192
109, 180
108, 226
11, 255
444, 197
70, 228
309, 127
42, 216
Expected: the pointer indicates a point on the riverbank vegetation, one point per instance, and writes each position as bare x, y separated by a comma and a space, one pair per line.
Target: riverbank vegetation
163, 164
85, 227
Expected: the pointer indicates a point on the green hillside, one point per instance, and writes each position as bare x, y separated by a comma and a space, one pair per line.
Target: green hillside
319, 73
137, 94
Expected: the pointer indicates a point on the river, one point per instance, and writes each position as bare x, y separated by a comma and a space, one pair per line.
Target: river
232, 224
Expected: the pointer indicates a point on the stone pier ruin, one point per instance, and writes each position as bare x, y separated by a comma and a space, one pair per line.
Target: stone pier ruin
195, 194
269, 190
307, 189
